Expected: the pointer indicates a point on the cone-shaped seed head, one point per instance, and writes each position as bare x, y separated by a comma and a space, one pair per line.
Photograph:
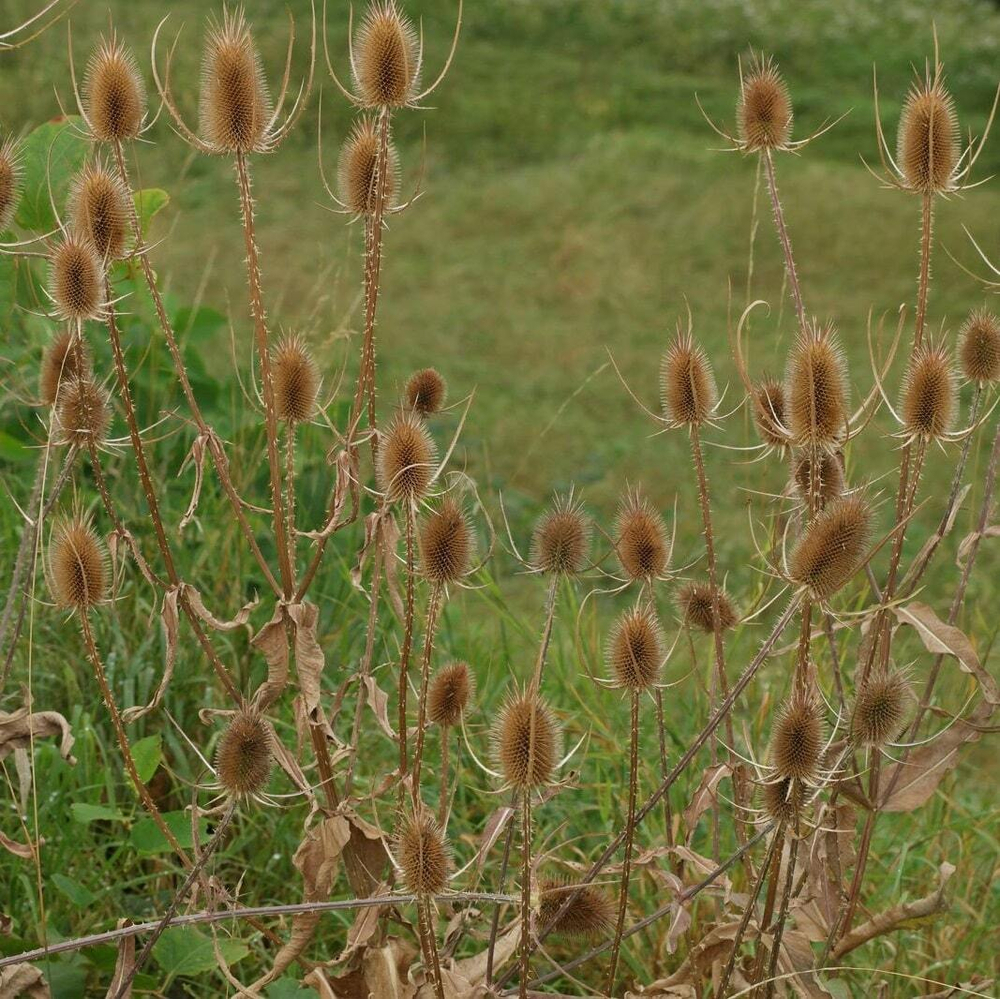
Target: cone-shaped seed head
769, 409
449, 694
76, 279
10, 182
694, 600
880, 708
99, 211
833, 546
635, 649
357, 177
560, 542
687, 386
979, 353
386, 57
445, 543
764, 109
296, 380
817, 389
782, 799
426, 391
245, 755
62, 363
590, 914
928, 406
797, 743
641, 538
527, 742
423, 855
78, 565
928, 142
819, 470
114, 95
82, 412
406, 458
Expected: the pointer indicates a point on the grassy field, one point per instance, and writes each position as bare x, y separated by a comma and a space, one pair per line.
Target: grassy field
574, 197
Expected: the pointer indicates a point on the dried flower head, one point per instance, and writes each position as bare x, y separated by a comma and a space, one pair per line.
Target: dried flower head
99, 211
245, 754
296, 379
833, 546
979, 352
422, 855
687, 386
764, 109
357, 168
783, 798
590, 914
445, 543
426, 391
928, 404
527, 741
817, 389
560, 542
406, 458
114, 95
83, 413
77, 564
234, 105
797, 742
928, 140
694, 600
640, 538
386, 59
769, 412
10, 181
76, 280
879, 708
449, 694
635, 649
822, 471
64, 360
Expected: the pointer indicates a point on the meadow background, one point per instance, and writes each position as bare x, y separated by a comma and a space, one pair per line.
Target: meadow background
574, 197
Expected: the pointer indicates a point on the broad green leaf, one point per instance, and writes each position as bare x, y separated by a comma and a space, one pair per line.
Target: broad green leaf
51, 155
148, 202
184, 950
84, 813
73, 890
285, 988
12, 449
147, 838
147, 754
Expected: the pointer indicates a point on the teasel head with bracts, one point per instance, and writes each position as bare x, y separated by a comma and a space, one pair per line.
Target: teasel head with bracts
10, 181
407, 457
421, 853
817, 390
560, 542
113, 102
979, 347
244, 757
641, 542
76, 565
832, 548
99, 211
527, 741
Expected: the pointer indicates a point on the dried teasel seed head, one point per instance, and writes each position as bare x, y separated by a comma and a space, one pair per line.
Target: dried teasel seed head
114, 95
76, 280
640, 538
928, 404
64, 360
797, 742
245, 754
449, 694
928, 140
422, 854
817, 389
77, 564
296, 379
83, 413
635, 649
234, 105
406, 458
386, 57
822, 471
426, 391
10, 181
99, 211
357, 169
560, 542
687, 386
694, 600
832, 548
445, 543
590, 914
769, 409
764, 109
783, 799
527, 741
979, 350
879, 708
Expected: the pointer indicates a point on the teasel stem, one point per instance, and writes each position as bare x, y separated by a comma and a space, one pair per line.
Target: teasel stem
266, 375
501, 881
430, 626
543, 648
525, 892
428, 942
803, 673
923, 281
786, 895
661, 729
786, 242
124, 988
773, 868
212, 442
404, 653
290, 490
633, 780
445, 777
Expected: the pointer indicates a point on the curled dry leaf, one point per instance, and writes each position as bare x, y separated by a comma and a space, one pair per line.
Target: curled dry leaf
25, 981
381, 527
705, 795
196, 458
22, 850
18, 729
169, 621
378, 701
272, 640
123, 964
970, 540
382, 972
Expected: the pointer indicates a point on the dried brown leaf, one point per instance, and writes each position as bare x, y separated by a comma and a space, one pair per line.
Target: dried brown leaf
123, 964
705, 796
23, 981
18, 729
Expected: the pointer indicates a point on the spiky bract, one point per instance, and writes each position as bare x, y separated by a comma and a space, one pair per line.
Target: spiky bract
928, 139
527, 741
694, 600
764, 109
296, 380
114, 95
82, 412
426, 391
879, 708
797, 742
641, 538
445, 543
386, 57
406, 458
590, 914
928, 404
817, 389
77, 564
357, 169
99, 211
76, 280
560, 542
833, 546
449, 694
687, 386
979, 350
422, 855
635, 649
245, 754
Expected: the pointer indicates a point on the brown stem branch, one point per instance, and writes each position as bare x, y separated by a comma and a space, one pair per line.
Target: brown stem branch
786, 242
430, 626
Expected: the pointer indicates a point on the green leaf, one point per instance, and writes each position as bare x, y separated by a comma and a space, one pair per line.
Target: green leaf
147, 754
147, 838
51, 154
285, 988
73, 890
84, 813
183, 950
12, 449
148, 202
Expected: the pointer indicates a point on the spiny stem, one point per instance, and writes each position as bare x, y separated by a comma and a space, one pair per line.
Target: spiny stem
430, 626
525, 891
425, 927
543, 648
290, 490
924, 278
404, 652
501, 881
786, 242
782, 913
443, 798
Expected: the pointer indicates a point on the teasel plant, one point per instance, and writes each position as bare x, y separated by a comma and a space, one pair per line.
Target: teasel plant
451, 690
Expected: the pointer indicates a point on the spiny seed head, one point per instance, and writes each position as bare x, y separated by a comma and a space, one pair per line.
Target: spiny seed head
695, 604
769, 412
114, 95
76, 279
234, 105
979, 353
83, 413
797, 743
77, 564
590, 914
641, 538
245, 755
822, 471
635, 649
879, 708
406, 458
422, 854
296, 380
817, 388
527, 741
445, 543
833, 546
10, 181
64, 361
99, 211
783, 798
687, 386
357, 169
560, 542
449, 694
386, 57
426, 391
928, 406
764, 109
928, 140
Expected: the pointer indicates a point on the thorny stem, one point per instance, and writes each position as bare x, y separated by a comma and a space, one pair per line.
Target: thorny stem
525, 891
404, 653
782, 912
504, 864
290, 490
430, 626
786, 243
445, 777
772, 892
425, 927
543, 648
923, 281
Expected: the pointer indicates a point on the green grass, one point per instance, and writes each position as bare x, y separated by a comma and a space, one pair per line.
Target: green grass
574, 197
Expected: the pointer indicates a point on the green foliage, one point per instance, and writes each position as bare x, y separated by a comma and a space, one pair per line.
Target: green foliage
52, 154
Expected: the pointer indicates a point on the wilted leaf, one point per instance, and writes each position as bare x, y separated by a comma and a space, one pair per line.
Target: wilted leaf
22, 850
123, 964
378, 701
18, 729
705, 796
25, 981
